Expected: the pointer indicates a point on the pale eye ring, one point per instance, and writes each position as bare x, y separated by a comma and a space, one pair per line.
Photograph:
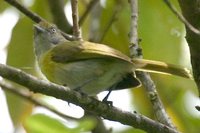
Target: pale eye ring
53, 30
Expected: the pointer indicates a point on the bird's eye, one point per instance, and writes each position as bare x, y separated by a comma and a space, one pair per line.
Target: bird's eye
53, 30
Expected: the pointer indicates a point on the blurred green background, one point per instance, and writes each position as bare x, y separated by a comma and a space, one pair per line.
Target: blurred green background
162, 36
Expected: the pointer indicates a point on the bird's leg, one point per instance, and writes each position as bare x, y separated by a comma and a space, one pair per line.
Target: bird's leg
105, 99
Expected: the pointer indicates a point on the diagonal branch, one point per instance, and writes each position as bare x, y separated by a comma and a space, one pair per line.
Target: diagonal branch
94, 26
58, 14
24, 10
87, 103
33, 16
90, 6
145, 78
112, 19
181, 18
190, 10
107, 27
27, 96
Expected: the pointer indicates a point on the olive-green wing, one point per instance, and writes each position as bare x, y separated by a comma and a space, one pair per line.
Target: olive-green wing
83, 50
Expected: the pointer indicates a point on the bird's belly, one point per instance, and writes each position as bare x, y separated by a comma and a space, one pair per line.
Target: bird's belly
90, 76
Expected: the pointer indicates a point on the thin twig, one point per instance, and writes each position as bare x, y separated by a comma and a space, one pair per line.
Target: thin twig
90, 6
109, 24
33, 16
145, 78
190, 10
87, 103
94, 26
133, 35
27, 96
76, 30
27, 12
181, 17
155, 100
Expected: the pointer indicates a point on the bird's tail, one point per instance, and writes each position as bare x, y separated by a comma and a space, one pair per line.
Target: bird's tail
161, 67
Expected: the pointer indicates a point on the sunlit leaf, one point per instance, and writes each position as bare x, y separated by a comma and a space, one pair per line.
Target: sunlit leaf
40, 123
20, 55
3, 6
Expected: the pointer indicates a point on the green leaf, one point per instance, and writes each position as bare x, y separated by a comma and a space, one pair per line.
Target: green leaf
40, 123
133, 130
86, 124
20, 55
20, 49
3, 6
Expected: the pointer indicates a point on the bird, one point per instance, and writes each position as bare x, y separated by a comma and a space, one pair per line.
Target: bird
90, 67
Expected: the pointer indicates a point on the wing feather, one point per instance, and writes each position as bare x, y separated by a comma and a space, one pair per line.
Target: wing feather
83, 50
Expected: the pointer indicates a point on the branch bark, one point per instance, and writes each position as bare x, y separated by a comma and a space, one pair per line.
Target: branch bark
87, 103
27, 96
181, 18
90, 6
110, 22
76, 28
191, 11
94, 26
144, 77
33, 16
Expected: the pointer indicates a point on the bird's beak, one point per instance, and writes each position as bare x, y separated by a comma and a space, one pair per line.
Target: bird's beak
38, 29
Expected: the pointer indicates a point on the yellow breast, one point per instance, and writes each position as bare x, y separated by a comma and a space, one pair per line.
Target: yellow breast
47, 66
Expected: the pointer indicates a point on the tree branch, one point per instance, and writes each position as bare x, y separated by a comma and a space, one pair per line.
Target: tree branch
36, 18
145, 78
112, 19
27, 96
94, 26
181, 18
76, 29
190, 10
87, 103
133, 34
58, 14
33, 16
90, 6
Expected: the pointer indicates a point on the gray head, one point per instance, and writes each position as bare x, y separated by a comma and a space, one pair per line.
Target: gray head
46, 36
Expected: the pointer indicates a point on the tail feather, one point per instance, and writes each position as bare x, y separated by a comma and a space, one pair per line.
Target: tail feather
161, 67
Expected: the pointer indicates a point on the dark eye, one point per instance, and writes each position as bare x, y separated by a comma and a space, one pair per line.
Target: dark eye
53, 30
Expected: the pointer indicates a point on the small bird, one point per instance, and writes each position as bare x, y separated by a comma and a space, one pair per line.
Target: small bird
90, 67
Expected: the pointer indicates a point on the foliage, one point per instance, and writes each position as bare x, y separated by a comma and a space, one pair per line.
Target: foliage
40, 123
162, 37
